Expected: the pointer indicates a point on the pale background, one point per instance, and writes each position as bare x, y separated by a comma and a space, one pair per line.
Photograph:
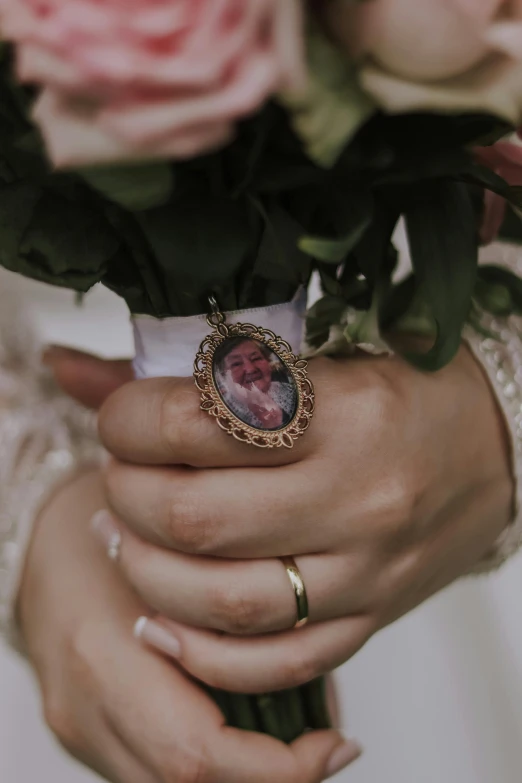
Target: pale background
437, 697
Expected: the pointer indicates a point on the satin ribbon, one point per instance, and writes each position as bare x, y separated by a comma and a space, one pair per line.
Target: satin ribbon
166, 347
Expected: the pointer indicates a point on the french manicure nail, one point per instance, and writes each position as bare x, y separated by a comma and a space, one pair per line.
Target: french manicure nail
106, 530
342, 756
157, 636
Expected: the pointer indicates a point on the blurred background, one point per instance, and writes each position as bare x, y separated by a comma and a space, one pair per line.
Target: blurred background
436, 697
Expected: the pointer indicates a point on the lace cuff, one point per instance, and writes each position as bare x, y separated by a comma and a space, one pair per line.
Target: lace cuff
498, 348
501, 357
45, 438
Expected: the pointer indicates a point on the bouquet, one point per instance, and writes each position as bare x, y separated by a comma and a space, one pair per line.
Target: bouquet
177, 150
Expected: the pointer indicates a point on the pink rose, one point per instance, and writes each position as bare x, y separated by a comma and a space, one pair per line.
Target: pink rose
434, 55
505, 159
131, 79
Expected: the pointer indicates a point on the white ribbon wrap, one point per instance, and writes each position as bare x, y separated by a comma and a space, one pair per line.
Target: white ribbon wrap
167, 346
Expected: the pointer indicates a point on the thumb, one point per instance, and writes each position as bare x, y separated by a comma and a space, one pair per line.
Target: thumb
86, 378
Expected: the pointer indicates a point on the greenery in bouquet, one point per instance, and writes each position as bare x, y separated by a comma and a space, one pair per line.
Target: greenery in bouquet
176, 151
316, 179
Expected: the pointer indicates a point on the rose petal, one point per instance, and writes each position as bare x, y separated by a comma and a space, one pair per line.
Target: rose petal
144, 123
74, 139
495, 87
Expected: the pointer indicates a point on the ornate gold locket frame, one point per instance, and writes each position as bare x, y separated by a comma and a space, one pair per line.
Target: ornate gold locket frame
294, 388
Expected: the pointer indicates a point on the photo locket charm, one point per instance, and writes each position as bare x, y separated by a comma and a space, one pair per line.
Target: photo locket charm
257, 389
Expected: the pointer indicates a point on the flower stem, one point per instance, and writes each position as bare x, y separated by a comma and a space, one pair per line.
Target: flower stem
284, 715
243, 712
316, 708
270, 715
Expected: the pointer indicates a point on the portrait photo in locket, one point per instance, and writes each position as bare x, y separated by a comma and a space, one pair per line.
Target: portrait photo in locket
254, 383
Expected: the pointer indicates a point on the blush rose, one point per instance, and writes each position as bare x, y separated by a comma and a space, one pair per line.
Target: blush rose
434, 55
136, 79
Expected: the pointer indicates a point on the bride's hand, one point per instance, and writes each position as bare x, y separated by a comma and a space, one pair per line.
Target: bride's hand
120, 708
401, 485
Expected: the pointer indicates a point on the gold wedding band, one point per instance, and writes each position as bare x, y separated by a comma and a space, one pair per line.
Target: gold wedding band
297, 583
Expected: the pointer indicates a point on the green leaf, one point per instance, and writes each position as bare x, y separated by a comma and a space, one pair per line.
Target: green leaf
17, 204
498, 290
331, 251
132, 272
69, 235
479, 175
333, 106
279, 256
511, 229
200, 244
321, 316
135, 187
376, 257
442, 233
352, 215
399, 301
495, 298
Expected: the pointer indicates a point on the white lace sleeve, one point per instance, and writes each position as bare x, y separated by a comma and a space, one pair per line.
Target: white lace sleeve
44, 438
501, 356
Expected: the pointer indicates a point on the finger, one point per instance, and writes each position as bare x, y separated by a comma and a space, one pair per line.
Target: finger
240, 597
259, 664
159, 421
86, 378
192, 743
310, 759
251, 512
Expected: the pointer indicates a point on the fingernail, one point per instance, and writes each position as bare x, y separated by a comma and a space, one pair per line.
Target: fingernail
343, 755
157, 636
107, 532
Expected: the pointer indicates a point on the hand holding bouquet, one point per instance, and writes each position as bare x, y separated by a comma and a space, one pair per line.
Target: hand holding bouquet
261, 140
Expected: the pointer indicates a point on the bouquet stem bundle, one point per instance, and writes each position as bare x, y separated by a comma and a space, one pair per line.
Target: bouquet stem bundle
284, 715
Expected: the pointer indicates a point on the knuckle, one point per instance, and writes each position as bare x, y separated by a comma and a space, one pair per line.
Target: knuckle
190, 766
178, 420
397, 501
402, 495
376, 405
383, 394
300, 668
189, 524
234, 611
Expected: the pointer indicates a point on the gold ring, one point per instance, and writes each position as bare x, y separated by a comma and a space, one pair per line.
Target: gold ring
297, 583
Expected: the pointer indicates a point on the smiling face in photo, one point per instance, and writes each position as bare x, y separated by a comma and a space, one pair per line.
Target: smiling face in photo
248, 366
254, 383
